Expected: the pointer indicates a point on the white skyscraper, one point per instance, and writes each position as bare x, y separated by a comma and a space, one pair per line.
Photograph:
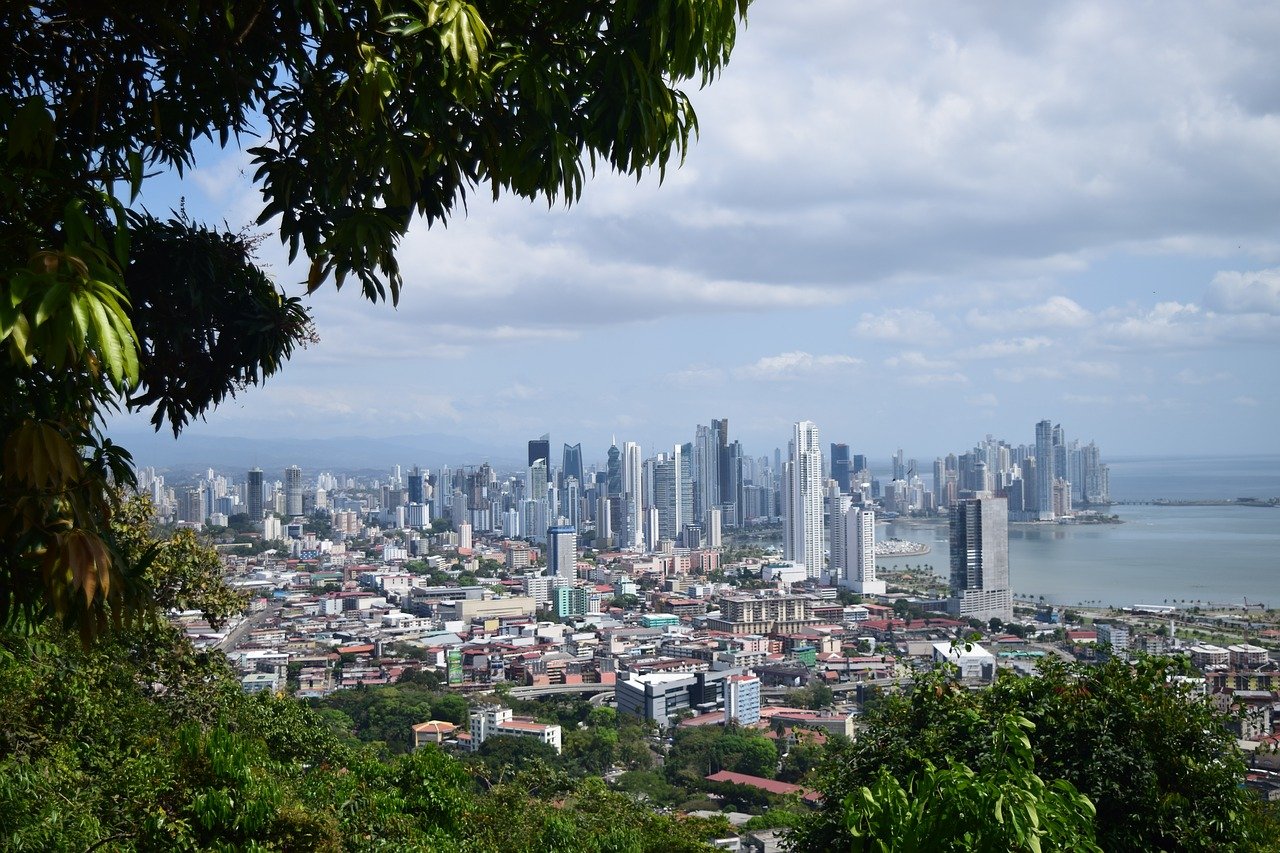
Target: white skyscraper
859, 570
633, 529
838, 504
802, 499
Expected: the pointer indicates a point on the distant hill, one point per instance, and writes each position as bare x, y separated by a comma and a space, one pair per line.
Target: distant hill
345, 454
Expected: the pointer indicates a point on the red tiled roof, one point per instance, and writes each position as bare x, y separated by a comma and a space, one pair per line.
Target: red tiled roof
771, 785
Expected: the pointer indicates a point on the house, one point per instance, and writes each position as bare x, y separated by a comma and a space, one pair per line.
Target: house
432, 731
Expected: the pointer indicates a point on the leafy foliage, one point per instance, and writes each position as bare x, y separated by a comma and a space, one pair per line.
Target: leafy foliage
366, 114
1156, 763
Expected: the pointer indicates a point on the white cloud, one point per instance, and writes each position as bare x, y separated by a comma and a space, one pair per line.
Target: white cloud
1006, 348
916, 360
1188, 376
987, 400
793, 365
1246, 401
926, 379
900, 324
1056, 312
697, 376
1255, 292
1167, 325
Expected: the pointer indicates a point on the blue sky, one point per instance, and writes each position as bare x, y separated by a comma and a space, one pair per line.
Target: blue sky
914, 224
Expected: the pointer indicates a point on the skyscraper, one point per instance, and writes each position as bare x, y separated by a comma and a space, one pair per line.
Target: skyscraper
293, 491
632, 533
802, 498
613, 470
562, 551
859, 569
840, 463
540, 448
706, 471
571, 464
980, 559
1044, 471
673, 493
253, 494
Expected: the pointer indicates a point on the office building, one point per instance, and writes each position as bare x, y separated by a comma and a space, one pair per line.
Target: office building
673, 492
841, 467
660, 696
859, 570
562, 551
803, 537
980, 559
571, 463
293, 491
253, 494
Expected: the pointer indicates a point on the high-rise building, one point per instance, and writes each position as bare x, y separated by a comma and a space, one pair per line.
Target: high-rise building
859, 569
293, 491
253, 494
562, 551
540, 448
802, 524
837, 505
1044, 471
742, 699
613, 471
571, 464
980, 559
706, 471
417, 486
632, 533
841, 467
673, 492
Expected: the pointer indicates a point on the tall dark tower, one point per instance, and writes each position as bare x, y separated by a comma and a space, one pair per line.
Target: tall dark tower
613, 469
840, 466
253, 494
571, 464
540, 448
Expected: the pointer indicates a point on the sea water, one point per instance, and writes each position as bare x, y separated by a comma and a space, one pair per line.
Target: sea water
1159, 554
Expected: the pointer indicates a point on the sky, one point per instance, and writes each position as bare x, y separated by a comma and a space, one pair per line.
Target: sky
914, 224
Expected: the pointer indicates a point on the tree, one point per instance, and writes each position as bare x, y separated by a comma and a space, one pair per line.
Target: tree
1111, 731
365, 113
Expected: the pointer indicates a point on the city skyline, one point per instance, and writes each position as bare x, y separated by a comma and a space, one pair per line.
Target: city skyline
969, 216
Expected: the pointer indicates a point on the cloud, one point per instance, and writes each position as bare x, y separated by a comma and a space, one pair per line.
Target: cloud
794, 365
1167, 325
915, 360
1255, 292
900, 324
987, 400
1056, 312
697, 376
928, 379
1246, 401
1006, 348
1188, 376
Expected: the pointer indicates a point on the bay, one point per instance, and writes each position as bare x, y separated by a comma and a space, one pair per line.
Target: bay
1218, 554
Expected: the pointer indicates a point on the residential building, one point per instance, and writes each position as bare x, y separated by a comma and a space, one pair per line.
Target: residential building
293, 491
253, 494
859, 569
803, 537
742, 699
492, 720
980, 559
562, 551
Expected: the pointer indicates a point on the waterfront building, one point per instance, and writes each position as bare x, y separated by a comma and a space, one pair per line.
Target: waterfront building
980, 559
1044, 471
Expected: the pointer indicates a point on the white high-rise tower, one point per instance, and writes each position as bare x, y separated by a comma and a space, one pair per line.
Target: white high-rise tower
859, 570
802, 499
633, 527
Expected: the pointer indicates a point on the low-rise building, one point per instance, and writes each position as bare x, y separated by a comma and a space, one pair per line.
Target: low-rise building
493, 720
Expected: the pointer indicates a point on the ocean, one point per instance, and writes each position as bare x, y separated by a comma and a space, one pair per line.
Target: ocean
1218, 554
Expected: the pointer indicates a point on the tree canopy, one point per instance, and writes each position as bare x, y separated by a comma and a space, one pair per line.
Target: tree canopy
1154, 764
359, 115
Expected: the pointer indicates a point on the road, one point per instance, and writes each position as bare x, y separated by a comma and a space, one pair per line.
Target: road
253, 621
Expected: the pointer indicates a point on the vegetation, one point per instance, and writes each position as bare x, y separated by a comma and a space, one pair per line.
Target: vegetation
364, 114
1158, 768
